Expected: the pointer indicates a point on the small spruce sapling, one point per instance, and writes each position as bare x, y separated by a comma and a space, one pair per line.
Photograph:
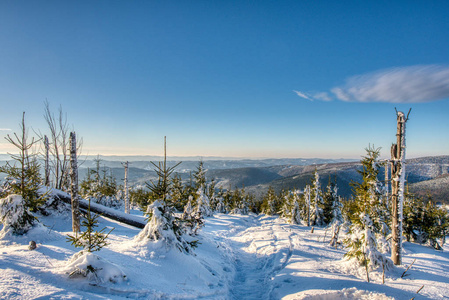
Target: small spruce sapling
23, 178
91, 240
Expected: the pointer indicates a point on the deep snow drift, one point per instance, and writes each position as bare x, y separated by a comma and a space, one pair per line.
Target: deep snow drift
240, 257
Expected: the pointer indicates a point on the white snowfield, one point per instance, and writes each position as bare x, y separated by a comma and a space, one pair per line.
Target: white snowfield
240, 257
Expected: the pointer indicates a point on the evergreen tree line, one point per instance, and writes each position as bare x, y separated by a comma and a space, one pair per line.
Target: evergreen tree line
365, 217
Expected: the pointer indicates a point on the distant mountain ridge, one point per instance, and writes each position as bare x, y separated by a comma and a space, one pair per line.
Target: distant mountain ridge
425, 175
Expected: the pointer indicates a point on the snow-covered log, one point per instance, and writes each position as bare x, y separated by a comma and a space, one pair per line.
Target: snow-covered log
104, 211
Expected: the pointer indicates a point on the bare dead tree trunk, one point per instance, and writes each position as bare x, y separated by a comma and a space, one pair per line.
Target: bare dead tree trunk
74, 184
307, 195
126, 188
47, 161
397, 187
387, 183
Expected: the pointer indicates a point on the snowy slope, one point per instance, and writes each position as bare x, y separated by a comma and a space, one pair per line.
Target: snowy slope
240, 257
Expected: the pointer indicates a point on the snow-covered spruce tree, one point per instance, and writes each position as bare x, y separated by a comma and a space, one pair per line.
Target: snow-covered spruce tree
291, 211
270, 202
332, 204
203, 203
241, 202
212, 194
192, 217
366, 225
140, 196
336, 221
425, 222
307, 203
200, 176
220, 205
316, 208
178, 198
22, 178
163, 226
100, 186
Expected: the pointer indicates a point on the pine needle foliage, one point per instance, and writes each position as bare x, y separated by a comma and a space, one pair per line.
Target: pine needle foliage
23, 177
91, 239
366, 220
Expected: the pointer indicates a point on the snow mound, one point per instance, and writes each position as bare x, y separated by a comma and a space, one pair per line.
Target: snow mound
344, 294
94, 268
38, 233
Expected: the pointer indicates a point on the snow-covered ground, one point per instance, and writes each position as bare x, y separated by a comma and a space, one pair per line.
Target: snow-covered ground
240, 257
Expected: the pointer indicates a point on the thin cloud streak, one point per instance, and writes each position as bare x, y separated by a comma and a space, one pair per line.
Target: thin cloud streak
303, 95
415, 84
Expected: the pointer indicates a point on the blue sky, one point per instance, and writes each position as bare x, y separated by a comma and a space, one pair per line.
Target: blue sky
229, 78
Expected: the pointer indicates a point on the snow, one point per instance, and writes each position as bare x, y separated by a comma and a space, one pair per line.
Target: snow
240, 257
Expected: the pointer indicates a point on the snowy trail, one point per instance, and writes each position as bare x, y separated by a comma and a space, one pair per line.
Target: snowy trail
261, 250
239, 257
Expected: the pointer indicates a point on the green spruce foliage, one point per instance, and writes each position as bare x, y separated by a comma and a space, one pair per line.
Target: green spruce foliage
101, 186
91, 239
271, 203
367, 223
425, 222
22, 178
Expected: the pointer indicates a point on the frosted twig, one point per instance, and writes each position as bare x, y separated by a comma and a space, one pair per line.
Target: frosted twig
47, 259
403, 274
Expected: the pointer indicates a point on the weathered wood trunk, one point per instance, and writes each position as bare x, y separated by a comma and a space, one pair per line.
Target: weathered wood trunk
397, 188
387, 185
74, 184
126, 188
307, 195
47, 161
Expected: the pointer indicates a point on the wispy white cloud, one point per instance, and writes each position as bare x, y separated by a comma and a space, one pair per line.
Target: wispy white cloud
322, 96
303, 95
5, 129
413, 84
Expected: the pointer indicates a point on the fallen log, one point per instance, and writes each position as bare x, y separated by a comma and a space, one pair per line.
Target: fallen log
104, 211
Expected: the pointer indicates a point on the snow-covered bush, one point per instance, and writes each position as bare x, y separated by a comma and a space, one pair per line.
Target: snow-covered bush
165, 229
94, 268
15, 215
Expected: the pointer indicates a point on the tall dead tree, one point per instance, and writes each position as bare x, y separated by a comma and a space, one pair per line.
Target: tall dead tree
397, 187
59, 148
47, 161
307, 196
74, 184
126, 188
387, 184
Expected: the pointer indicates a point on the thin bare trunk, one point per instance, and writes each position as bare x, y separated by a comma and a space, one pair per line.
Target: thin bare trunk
47, 161
74, 184
126, 188
397, 188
